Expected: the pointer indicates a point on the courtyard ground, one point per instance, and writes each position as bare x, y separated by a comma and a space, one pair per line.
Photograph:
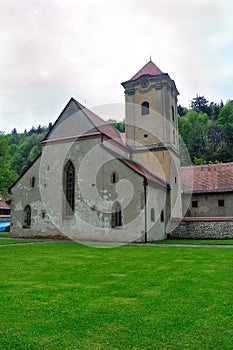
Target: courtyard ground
71, 296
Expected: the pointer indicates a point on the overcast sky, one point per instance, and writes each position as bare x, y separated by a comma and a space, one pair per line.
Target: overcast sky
51, 50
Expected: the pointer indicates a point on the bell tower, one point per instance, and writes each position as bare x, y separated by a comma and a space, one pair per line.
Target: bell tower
151, 124
151, 106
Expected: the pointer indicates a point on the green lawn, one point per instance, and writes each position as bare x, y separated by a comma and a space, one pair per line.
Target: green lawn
4, 234
197, 241
17, 241
68, 296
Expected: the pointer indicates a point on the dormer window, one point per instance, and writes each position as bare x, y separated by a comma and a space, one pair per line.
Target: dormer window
145, 108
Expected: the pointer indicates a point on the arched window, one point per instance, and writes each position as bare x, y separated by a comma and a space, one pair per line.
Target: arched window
27, 216
116, 218
69, 188
145, 108
152, 214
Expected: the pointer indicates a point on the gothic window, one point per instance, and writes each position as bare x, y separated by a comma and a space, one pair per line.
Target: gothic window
27, 217
116, 218
145, 108
69, 188
152, 214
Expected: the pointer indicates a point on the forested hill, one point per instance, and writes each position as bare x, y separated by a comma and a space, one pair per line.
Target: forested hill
206, 129
17, 152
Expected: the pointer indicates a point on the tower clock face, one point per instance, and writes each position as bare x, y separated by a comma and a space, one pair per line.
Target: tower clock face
144, 83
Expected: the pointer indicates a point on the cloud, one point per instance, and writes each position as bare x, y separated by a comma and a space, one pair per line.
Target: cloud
52, 50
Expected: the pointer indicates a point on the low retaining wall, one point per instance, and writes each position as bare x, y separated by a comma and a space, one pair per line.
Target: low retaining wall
202, 228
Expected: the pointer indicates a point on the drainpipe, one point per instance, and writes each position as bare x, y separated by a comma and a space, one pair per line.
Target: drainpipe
145, 208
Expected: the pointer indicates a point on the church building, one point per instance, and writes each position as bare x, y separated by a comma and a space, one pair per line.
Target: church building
94, 183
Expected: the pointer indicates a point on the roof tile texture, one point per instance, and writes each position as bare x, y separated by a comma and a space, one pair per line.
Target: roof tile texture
150, 68
207, 178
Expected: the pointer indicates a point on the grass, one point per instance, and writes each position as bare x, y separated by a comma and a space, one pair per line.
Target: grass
17, 241
69, 296
5, 239
4, 234
197, 241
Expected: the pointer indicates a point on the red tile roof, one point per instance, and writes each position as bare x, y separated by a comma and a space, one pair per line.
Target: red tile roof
207, 178
150, 68
139, 169
3, 203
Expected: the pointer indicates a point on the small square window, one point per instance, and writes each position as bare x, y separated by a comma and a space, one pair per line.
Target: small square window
221, 202
194, 204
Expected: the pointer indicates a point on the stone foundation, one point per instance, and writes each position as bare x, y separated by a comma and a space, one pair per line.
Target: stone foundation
202, 228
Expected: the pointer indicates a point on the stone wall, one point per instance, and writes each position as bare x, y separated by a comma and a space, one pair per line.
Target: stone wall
203, 228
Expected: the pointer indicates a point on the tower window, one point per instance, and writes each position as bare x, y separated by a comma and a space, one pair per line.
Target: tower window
116, 216
145, 108
69, 188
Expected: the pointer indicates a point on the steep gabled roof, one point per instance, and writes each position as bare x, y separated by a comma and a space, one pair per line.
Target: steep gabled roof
150, 69
212, 178
101, 124
97, 122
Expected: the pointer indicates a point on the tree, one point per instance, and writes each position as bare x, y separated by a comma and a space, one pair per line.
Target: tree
7, 175
200, 104
33, 154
